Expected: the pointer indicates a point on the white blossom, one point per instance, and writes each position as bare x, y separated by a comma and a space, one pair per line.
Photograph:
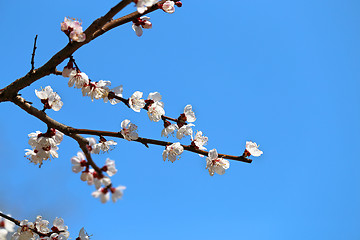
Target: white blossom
118, 92
169, 130
142, 5
129, 130
49, 98
140, 23
185, 130
135, 101
109, 167
189, 114
24, 232
102, 193
73, 29
41, 225
83, 235
6, 227
172, 151
96, 90
156, 108
200, 140
215, 164
117, 193
168, 7
78, 162
253, 149
103, 145
79, 78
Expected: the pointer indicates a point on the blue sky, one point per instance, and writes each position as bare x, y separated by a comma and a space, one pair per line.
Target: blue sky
281, 73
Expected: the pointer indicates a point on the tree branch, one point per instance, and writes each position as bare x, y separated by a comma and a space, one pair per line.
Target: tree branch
33, 56
21, 102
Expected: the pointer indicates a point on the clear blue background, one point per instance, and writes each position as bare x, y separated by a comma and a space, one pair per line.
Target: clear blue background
284, 74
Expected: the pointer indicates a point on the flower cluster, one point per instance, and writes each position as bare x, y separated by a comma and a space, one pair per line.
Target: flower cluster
49, 98
140, 23
79, 164
43, 145
5, 227
40, 229
73, 30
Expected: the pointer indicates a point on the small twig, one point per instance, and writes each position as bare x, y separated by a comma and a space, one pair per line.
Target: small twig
33, 55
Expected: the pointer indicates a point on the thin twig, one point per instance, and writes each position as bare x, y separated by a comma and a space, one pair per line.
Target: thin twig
33, 55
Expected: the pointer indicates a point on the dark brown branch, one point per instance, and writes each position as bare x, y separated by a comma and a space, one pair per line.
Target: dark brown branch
146, 141
58, 126
125, 19
11, 90
17, 222
33, 55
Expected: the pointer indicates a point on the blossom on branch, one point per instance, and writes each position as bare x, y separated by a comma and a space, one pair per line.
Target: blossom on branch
142, 5
199, 141
109, 167
168, 7
41, 225
118, 92
96, 90
172, 151
78, 162
215, 164
24, 232
73, 30
168, 129
135, 101
6, 227
155, 107
49, 98
79, 78
129, 130
252, 149
83, 235
185, 130
140, 23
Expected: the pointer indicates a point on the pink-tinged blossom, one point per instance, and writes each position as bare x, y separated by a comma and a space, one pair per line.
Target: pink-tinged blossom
168, 7
49, 98
109, 167
87, 176
128, 130
142, 5
91, 146
83, 235
118, 92
172, 151
185, 130
252, 149
78, 162
96, 90
105, 181
215, 164
73, 29
140, 23
68, 69
117, 193
80, 79
135, 101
